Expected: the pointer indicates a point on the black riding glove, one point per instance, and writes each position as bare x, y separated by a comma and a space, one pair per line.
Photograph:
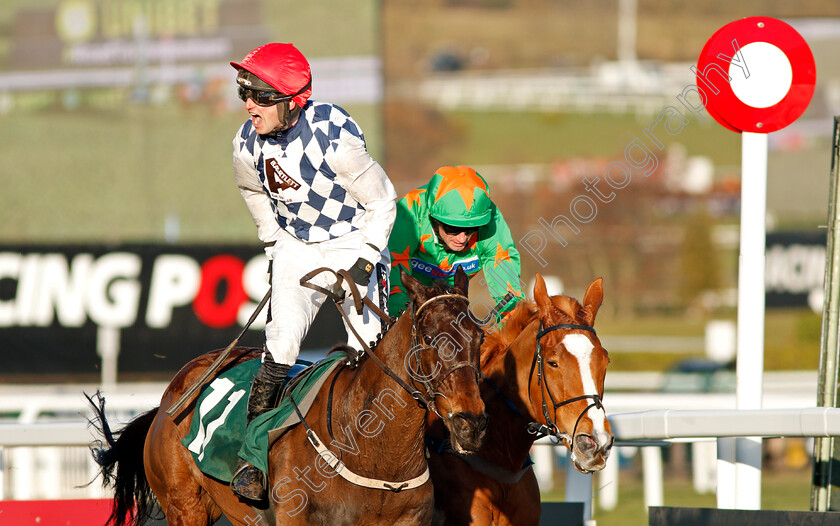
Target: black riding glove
361, 271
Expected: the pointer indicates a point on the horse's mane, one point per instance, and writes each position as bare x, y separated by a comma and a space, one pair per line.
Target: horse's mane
439, 286
520, 317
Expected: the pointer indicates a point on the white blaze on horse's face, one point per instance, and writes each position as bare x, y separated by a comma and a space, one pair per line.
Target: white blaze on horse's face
581, 348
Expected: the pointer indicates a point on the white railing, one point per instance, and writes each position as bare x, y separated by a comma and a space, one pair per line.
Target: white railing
627, 427
45, 439
696, 426
616, 87
25, 468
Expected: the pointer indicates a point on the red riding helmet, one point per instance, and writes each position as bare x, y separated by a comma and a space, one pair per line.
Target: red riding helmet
282, 66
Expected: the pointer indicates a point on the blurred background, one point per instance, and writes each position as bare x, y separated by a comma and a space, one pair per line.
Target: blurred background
126, 250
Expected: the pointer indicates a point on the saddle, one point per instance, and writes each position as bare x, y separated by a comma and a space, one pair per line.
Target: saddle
219, 432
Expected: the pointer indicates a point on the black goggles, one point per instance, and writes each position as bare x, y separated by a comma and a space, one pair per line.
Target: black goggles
263, 98
268, 98
451, 230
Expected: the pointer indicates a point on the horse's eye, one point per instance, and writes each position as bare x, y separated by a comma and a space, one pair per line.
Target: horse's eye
427, 338
553, 364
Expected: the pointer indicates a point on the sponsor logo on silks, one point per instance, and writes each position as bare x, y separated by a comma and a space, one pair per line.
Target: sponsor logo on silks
470, 266
277, 175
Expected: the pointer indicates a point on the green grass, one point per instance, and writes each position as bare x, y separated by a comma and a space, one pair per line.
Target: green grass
791, 339
114, 175
530, 137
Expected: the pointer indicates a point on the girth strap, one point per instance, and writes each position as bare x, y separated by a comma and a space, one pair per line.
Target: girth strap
339, 467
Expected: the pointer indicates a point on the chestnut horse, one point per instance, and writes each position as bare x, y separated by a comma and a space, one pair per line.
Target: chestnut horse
542, 374
377, 432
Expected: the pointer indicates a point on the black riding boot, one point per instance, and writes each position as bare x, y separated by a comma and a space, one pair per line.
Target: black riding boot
248, 481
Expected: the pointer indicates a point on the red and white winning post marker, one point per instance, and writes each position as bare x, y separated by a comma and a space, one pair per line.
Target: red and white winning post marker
757, 75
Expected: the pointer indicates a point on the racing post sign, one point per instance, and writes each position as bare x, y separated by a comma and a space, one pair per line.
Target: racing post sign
755, 75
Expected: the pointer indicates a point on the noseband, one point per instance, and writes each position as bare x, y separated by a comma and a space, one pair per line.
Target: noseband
431, 389
538, 363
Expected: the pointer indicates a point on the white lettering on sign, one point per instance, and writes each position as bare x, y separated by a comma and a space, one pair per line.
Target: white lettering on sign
9, 269
795, 269
107, 289
63, 289
175, 282
114, 290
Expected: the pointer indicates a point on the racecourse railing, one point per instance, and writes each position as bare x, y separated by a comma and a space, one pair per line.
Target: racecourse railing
48, 438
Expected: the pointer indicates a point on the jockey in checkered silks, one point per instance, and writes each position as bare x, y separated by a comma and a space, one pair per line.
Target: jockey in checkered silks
318, 199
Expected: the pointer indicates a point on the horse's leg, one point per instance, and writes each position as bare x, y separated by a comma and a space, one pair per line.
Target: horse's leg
482, 509
455, 491
522, 507
171, 477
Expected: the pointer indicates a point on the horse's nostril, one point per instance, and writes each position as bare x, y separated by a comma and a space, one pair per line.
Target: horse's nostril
585, 443
465, 421
483, 420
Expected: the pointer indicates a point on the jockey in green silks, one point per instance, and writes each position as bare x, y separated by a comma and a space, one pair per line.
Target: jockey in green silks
452, 222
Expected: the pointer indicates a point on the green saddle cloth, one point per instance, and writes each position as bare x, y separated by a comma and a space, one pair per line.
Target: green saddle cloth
219, 434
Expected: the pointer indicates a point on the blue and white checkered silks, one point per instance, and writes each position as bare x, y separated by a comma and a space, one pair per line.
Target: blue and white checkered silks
293, 168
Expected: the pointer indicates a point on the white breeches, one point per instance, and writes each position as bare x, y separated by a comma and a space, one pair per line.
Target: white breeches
293, 307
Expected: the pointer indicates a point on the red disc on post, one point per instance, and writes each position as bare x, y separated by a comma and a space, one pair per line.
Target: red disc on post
757, 73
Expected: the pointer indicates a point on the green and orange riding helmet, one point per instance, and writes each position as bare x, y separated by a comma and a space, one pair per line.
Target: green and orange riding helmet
458, 196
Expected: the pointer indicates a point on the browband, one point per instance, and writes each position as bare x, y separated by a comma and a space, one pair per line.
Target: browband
564, 326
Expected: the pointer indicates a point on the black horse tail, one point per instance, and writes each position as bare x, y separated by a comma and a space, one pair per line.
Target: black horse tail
120, 460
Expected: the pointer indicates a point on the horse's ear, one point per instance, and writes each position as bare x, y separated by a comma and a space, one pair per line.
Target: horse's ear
540, 293
462, 281
592, 301
417, 292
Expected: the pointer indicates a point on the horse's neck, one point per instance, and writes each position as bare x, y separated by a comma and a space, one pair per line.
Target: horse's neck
507, 442
382, 414
395, 344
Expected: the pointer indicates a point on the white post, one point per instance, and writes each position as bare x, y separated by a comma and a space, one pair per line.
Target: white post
626, 30
49, 473
652, 468
750, 362
543, 457
608, 482
108, 348
579, 488
703, 466
726, 473
23, 461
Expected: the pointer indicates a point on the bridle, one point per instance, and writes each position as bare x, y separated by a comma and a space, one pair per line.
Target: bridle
428, 399
538, 364
425, 400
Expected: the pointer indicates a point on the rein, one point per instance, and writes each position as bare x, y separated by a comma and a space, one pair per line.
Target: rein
342, 275
426, 400
538, 363
432, 389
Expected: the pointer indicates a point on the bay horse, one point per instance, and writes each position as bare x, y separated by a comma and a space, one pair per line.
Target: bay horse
542, 374
377, 432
